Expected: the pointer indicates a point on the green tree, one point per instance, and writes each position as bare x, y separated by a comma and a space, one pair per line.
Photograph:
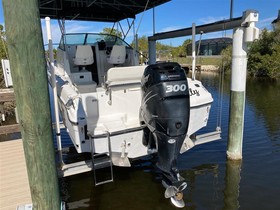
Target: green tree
3, 54
181, 50
263, 56
143, 44
6, 107
226, 59
112, 31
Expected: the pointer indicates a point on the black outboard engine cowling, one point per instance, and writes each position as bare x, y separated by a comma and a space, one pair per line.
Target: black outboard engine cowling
165, 110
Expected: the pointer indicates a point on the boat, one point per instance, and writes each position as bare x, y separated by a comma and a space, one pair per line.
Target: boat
97, 97
141, 109
119, 111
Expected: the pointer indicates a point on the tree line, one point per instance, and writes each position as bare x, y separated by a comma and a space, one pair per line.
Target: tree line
263, 55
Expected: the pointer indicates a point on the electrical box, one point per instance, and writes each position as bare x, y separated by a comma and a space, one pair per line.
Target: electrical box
7, 72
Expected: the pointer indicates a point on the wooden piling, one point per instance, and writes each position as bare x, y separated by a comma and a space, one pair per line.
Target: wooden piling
237, 98
242, 35
28, 68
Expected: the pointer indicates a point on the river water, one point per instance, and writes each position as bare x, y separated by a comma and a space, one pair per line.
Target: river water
213, 181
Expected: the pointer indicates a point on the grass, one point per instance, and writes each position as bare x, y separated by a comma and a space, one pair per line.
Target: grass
201, 60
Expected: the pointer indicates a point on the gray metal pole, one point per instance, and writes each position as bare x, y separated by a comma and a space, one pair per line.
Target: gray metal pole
231, 9
193, 51
28, 65
154, 21
152, 52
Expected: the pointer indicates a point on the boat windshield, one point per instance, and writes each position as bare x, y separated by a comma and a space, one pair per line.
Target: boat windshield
90, 39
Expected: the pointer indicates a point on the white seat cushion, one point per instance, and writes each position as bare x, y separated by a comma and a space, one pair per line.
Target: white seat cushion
84, 55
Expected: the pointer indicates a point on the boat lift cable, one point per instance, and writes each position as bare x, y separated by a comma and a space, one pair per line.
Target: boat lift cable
220, 94
221, 83
142, 16
199, 43
220, 90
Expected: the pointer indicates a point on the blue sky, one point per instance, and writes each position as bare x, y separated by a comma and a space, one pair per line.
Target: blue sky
179, 14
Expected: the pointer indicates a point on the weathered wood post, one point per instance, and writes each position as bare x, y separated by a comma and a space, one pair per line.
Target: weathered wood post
241, 36
26, 52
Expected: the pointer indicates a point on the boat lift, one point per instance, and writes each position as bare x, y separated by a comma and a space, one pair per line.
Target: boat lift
85, 166
95, 163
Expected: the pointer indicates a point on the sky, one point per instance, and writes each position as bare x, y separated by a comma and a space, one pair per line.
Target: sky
177, 14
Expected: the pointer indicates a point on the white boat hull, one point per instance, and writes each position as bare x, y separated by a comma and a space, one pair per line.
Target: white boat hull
102, 98
92, 113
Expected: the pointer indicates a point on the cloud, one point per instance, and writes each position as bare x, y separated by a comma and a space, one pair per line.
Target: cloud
219, 34
70, 27
56, 34
211, 19
79, 28
171, 28
265, 23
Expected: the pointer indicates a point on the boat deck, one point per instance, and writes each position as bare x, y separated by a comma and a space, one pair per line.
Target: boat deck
14, 185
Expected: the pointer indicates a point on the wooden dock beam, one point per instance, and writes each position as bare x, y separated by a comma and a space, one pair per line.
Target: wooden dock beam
28, 68
7, 95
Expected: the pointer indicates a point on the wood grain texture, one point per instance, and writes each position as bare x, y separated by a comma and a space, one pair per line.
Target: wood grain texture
28, 69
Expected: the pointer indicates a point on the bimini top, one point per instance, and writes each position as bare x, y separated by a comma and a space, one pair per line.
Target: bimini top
95, 10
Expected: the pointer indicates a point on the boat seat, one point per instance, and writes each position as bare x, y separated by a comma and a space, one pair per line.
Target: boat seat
124, 76
117, 55
84, 56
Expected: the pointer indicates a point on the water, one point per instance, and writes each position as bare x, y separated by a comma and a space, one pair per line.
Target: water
213, 182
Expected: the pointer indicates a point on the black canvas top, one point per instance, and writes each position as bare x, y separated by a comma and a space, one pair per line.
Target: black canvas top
95, 10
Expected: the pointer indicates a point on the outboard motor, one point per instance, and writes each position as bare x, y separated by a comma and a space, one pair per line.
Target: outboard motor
165, 110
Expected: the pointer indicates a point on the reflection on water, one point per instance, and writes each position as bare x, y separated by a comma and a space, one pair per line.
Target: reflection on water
213, 182
232, 181
264, 96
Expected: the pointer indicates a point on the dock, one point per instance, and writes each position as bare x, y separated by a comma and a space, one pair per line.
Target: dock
14, 185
